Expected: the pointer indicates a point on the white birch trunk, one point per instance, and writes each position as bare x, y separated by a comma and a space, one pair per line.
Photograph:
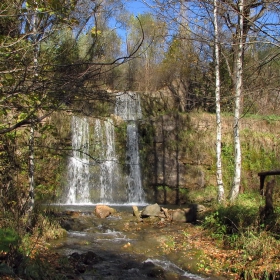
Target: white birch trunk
238, 91
221, 192
31, 169
32, 130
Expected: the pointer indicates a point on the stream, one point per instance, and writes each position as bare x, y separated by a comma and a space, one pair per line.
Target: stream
125, 248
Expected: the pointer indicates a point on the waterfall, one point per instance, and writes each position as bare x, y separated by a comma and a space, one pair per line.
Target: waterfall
135, 191
99, 178
128, 107
78, 166
104, 138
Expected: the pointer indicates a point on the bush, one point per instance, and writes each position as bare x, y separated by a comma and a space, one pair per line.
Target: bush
8, 238
231, 220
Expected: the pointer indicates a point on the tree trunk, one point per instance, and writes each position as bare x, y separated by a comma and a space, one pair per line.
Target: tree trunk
32, 125
221, 193
31, 169
238, 92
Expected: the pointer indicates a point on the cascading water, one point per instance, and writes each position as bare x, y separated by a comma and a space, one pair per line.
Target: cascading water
98, 178
78, 166
128, 107
104, 138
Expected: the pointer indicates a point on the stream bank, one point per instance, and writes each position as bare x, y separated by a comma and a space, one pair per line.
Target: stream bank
122, 247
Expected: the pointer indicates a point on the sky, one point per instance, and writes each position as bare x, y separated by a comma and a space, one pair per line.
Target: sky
136, 7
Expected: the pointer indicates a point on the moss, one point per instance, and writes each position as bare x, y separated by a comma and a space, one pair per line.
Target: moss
120, 142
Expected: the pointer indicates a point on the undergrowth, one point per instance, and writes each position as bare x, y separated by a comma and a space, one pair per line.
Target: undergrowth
21, 247
238, 227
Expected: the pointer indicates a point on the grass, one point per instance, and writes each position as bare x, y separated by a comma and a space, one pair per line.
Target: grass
238, 229
8, 238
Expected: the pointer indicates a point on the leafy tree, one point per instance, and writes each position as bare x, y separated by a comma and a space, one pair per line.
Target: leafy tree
242, 26
45, 68
142, 71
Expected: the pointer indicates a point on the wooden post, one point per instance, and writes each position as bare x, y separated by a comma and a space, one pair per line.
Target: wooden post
268, 209
263, 175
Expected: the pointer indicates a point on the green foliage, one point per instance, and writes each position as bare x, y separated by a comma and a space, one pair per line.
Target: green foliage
40, 269
8, 238
271, 118
258, 153
168, 244
48, 227
228, 162
45, 193
214, 223
237, 226
26, 245
256, 245
232, 219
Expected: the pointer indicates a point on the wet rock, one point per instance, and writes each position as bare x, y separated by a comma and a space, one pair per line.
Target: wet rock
80, 268
88, 258
69, 223
66, 224
151, 211
104, 211
84, 262
153, 271
76, 256
73, 214
136, 213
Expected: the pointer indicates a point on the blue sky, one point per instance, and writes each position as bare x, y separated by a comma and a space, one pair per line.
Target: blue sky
136, 7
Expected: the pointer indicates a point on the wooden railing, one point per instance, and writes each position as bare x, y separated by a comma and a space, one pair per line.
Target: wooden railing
262, 176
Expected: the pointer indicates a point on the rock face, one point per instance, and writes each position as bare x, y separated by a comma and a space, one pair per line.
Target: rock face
173, 166
103, 211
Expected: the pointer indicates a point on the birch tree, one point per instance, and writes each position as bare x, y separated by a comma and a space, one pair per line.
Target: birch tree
240, 17
237, 109
221, 192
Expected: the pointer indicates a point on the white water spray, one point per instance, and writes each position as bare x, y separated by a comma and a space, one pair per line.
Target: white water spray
78, 166
97, 178
104, 137
128, 107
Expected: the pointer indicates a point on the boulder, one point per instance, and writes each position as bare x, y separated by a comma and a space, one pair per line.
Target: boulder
103, 211
166, 213
151, 210
188, 215
136, 213
179, 215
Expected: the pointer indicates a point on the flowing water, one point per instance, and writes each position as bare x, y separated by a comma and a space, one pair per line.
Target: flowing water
107, 176
127, 252
128, 107
94, 172
78, 167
